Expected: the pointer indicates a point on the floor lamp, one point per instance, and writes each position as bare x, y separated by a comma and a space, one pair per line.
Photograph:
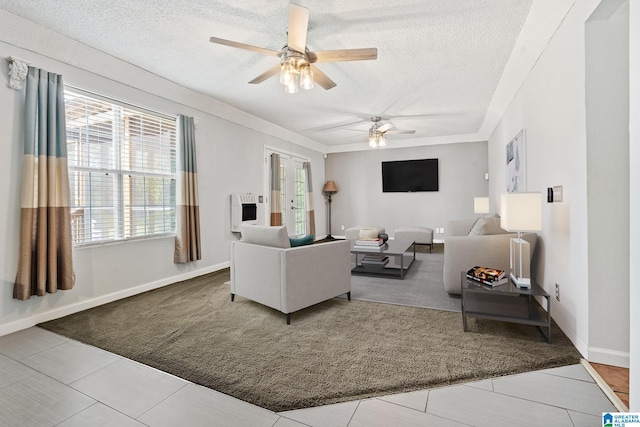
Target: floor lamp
520, 212
329, 189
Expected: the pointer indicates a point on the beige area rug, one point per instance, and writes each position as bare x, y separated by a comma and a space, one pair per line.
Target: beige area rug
335, 351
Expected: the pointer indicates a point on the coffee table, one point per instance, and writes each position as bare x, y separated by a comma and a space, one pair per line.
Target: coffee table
506, 303
400, 259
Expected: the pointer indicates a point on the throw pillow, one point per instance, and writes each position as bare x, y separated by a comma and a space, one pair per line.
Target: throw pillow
266, 235
301, 241
486, 226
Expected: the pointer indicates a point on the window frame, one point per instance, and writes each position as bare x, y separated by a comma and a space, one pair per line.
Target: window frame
122, 174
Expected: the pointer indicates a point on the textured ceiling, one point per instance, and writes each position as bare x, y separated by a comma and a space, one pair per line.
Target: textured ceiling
439, 62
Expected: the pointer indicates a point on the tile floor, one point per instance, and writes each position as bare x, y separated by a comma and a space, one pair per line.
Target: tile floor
49, 380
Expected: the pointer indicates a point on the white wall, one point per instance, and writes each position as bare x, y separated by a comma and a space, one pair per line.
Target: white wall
607, 108
360, 200
634, 202
230, 159
551, 107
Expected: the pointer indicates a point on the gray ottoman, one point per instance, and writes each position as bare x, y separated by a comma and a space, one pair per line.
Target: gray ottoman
354, 232
419, 235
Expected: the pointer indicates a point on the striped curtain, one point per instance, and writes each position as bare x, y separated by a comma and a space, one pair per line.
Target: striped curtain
45, 257
276, 207
187, 246
308, 199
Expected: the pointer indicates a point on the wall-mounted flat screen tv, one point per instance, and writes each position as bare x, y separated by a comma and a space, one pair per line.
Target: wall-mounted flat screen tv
410, 175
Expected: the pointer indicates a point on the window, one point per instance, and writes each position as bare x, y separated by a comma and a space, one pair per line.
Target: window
122, 163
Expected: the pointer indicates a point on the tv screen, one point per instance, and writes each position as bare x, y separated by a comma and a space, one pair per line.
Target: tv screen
410, 175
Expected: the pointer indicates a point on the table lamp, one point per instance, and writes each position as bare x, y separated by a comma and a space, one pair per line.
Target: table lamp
481, 205
329, 189
520, 212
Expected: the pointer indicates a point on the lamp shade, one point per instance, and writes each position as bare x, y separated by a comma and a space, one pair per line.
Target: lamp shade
481, 205
521, 211
330, 187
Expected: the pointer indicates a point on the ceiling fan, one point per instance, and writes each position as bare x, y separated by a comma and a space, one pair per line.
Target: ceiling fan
296, 65
377, 132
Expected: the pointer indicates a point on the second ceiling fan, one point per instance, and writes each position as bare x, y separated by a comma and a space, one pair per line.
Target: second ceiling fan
377, 132
296, 67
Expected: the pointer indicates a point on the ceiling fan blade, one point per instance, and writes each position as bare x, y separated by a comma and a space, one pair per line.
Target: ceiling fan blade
297, 29
267, 74
321, 78
401, 131
243, 46
343, 55
385, 127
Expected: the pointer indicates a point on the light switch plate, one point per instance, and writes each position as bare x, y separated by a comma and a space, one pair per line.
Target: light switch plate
557, 193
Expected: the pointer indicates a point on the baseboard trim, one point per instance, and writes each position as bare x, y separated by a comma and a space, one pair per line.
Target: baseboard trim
611, 395
609, 357
56, 313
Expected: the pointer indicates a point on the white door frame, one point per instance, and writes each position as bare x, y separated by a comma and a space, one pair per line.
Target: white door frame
291, 160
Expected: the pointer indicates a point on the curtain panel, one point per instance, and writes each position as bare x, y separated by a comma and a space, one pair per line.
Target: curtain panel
45, 256
274, 187
187, 243
308, 195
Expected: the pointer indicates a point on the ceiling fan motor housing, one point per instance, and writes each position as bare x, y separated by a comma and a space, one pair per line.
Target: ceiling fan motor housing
293, 57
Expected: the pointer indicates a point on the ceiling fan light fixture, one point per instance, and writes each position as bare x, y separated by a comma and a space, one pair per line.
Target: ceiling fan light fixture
285, 73
295, 57
376, 138
293, 86
306, 77
295, 71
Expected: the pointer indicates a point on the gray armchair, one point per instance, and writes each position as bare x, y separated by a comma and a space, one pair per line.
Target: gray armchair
265, 269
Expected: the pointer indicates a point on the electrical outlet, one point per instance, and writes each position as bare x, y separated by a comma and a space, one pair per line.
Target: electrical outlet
557, 292
342, 227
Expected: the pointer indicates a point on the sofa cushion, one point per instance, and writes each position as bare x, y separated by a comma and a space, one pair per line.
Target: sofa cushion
486, 226
301, 241
275, 236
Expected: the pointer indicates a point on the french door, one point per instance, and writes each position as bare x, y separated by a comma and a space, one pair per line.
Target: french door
292, 193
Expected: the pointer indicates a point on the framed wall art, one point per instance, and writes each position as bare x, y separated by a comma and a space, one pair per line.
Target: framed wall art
516, 164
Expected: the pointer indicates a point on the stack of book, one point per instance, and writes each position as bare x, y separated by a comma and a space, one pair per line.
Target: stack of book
487, 276
369, 245
374, 261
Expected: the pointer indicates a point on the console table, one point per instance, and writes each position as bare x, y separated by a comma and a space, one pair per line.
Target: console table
506, 303
400, 259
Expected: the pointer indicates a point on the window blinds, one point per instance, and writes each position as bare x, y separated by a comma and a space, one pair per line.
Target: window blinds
121, 170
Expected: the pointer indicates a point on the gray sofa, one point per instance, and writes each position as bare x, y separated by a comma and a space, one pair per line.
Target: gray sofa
267, 270
487, 246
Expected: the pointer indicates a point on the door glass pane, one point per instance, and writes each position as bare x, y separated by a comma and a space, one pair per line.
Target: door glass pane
292, 195
283, 193
298, 202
